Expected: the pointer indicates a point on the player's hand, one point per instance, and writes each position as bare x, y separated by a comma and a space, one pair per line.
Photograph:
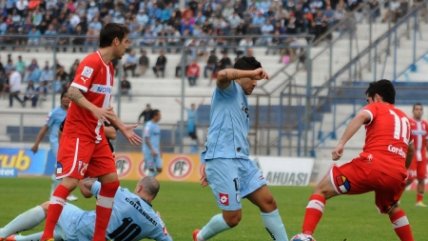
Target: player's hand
129, 133
337, 152
104, 114
154, 152
260, 74
35, 148
203, 180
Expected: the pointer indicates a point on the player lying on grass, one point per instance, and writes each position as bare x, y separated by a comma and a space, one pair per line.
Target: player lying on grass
133, 217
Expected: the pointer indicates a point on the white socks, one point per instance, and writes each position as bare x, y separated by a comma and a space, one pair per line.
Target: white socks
26, 220
274, 225
213, 227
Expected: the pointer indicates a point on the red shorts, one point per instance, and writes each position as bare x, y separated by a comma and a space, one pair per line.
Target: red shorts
358, 176
417, 169
79, 158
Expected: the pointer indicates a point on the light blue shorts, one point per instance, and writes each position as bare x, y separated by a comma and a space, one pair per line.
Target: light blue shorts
232, 179
151, 162
68, 222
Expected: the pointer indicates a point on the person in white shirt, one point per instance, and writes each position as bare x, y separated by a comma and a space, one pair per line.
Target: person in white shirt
15, 87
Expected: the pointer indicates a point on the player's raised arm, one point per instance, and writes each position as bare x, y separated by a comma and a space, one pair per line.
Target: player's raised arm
225, 76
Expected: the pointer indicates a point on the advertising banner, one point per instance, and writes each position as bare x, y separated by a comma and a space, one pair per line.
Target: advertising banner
285, 171
176, 167
22, 161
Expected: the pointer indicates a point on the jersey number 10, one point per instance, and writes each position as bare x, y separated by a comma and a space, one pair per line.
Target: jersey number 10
401, 127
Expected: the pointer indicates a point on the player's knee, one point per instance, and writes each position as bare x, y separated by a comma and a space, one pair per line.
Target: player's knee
232, 220
268, 205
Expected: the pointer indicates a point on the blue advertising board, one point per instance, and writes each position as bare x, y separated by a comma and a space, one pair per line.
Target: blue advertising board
22, 161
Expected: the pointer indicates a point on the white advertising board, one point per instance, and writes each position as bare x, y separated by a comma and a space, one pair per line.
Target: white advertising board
285, 171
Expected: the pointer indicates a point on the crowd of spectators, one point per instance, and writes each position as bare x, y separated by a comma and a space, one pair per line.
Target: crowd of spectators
163, 22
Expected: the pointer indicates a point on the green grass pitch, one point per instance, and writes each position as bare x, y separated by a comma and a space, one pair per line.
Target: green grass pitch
186, 206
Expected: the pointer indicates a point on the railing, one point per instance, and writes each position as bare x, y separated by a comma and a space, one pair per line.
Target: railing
389, 42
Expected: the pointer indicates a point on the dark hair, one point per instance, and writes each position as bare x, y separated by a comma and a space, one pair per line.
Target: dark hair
63, 93
384, 88
247, 63
416, 104
111, 31
153, 113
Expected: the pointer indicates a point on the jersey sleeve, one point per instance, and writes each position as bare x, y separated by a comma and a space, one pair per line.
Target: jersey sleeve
371, 109
96, 187
50, 119
163, 234
85, 74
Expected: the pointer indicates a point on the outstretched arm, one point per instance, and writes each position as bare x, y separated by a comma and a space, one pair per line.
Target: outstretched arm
225, 76
409, 155
39, 138
359, 120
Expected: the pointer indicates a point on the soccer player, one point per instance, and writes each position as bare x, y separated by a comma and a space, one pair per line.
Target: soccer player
192, 123
53, 123
380, 167
228, 169
83, 149
133, 217
151, 146
418, 168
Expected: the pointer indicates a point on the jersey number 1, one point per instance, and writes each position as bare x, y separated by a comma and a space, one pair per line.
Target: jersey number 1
401, 127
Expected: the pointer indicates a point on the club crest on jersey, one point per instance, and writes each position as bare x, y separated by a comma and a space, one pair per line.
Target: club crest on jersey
224, 199
87, 72
343, 184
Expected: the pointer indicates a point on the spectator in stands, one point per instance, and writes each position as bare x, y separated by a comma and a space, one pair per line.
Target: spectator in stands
21, 66
125, 87
3, 79
15, 80
47, 77
392, 11
61, 79
34, 37
130, 63
192, 72
225, 61
34, 72
211, 65
143, 62
145, 114
31, 93
160, 65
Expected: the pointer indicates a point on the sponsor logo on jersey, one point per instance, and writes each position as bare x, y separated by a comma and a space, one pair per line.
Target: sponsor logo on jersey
397, 150
224, 199
87, 72
101, 89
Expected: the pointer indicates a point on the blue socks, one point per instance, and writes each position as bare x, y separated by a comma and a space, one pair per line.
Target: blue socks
213, 227
274, 225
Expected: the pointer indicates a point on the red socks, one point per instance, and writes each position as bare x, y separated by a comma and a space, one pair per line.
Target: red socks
313, 214
56, 204
401, 226
103, 210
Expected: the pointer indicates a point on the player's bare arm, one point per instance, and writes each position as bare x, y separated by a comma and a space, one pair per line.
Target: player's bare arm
39, 138
362, 118
409, 155
110, 132
77, 97
225, 76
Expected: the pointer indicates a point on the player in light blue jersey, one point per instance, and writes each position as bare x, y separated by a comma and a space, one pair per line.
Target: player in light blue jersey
133, 217
192, 123
55, 118
151, 145
228, 170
